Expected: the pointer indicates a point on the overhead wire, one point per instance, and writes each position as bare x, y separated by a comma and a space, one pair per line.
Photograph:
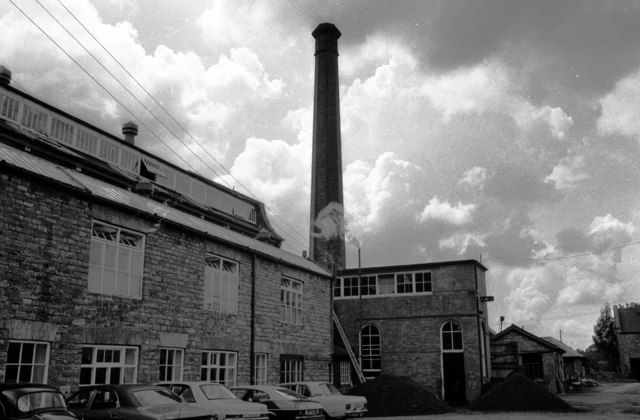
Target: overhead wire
142, 104
172, 118
97, 82
567, 257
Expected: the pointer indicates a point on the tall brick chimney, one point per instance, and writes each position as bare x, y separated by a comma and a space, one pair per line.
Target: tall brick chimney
326, 242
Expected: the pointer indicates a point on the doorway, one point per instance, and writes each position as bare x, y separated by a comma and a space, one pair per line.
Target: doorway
634, 364
455, 391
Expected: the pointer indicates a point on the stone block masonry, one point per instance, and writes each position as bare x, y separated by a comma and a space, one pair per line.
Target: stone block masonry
44, 265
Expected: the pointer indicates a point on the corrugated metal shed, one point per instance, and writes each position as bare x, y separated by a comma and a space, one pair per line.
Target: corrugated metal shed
111, 193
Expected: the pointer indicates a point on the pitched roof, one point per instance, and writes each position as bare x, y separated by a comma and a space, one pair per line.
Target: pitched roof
517, 330
569, 352
11, 157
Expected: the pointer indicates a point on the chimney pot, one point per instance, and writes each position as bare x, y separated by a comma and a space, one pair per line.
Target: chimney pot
5, 75
130, 131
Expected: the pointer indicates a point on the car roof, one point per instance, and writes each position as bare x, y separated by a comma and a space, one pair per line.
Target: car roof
190, 383
258, 387
15, 390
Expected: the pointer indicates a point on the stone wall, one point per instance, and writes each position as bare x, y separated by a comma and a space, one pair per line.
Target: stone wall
44, 257
629, 348
410, 327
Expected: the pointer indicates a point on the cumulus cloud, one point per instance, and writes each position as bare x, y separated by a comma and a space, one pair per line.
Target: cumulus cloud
487, 88
609, 223
461, 242
474, 177
373, 193
443, 211
620, 112
568, 173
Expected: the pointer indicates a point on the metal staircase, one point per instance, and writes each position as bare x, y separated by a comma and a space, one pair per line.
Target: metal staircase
352, 356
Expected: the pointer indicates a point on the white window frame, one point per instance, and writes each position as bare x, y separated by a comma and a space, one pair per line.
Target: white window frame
291, 369
345, 373
26, 363
403, 283
451, 329
219, 366
370, 352
291, 301
127, 261
221, 280
171, 365
260, 368
104, 357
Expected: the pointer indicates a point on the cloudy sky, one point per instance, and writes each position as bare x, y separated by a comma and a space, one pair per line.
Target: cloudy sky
504, 131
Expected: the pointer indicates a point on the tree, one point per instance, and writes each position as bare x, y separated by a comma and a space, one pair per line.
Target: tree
604, 337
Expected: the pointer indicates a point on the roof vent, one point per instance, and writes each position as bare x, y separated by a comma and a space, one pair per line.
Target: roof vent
144, 187
130, 131
5, 75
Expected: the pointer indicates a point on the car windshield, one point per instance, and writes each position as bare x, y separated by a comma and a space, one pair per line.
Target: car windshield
38, 400
289, 395
216, 392
151, 397
329, 389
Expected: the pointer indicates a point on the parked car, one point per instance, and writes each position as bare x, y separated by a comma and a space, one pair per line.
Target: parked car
336, 405
589, 382
26, 401
283, 404
132, 402
218, 400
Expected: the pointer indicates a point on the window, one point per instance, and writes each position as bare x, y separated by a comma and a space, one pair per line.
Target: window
370, 351
451, 337
337, 288
108, 365
115, 261
260, 369
404, 283
291, 368
350, 286
386, 284
291, 301
368, 285
345, 373
532, 363
171, 361
219, 366
221, 285
423, 282
27, 361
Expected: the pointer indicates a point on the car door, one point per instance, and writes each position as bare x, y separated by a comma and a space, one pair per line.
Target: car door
104, 405
79, 402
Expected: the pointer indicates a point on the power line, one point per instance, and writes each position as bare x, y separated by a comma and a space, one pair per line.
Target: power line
123, 86
170, 116
98, 83
130, 112
588, 254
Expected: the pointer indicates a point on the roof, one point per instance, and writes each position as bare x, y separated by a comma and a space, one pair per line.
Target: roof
568, 351
517, 330
15, 158
628, 318
410, 267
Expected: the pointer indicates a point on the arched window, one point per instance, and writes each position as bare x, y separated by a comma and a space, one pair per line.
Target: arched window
451, 337
370, 351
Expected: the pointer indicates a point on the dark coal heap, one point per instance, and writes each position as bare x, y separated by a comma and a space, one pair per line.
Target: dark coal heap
397, 396
519, 393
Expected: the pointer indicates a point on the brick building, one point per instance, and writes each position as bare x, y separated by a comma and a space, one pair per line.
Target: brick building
627, 330
540, 360
425, 321
118, 266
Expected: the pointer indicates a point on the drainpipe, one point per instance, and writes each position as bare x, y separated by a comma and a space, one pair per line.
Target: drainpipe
480, 340
252, 344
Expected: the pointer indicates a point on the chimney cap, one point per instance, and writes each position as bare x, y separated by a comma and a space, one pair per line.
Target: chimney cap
5, 75
326, 28
130, 128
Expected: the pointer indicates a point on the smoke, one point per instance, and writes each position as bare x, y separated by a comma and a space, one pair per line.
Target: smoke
330, 224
